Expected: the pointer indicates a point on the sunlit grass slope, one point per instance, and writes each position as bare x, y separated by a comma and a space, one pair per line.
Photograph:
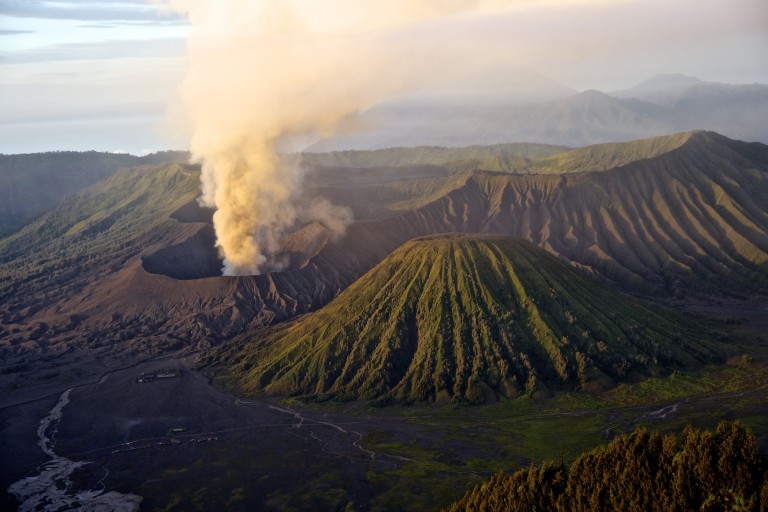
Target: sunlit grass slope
430, 155
93, 231
31, 185
468, 317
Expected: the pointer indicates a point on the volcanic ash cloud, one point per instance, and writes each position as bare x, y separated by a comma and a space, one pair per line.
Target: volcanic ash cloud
263, 73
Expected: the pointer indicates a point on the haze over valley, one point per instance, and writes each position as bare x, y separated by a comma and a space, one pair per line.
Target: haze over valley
384, 256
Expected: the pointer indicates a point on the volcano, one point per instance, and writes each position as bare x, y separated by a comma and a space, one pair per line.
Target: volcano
468, 317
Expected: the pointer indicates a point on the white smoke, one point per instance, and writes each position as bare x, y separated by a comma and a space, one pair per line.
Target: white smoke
333, 217
263, 72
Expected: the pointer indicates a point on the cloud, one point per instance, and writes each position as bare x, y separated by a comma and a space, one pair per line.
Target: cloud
98, 50
4, 32
593, 44
98, 10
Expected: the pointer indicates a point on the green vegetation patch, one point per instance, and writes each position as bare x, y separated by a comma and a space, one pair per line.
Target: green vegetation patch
720, 470
430, 155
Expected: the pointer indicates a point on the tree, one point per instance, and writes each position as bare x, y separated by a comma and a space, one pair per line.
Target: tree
708, 471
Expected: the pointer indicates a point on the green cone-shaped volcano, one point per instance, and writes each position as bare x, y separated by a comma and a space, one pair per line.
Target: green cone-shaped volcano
467, 317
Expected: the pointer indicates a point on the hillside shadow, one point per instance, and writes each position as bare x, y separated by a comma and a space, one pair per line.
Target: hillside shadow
194, 258
193, 212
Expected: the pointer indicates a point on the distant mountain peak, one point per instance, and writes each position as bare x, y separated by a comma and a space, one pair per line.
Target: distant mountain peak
588, 93
670, 79
661, 89
663, 104
592, 95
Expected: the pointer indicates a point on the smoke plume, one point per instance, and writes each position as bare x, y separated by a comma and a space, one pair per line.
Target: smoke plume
264, 73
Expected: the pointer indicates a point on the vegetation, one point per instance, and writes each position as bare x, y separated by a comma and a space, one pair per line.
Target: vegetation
521, 158
91, 233
430, 155
467, 318
32, 184
704, 471
602, 157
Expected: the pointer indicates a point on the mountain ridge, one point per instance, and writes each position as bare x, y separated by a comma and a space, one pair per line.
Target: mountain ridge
621, 223
581, 119
22, 199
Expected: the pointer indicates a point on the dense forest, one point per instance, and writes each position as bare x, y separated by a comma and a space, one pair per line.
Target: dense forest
704, 471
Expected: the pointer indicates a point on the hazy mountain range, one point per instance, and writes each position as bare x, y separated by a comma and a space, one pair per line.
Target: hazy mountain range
662, 105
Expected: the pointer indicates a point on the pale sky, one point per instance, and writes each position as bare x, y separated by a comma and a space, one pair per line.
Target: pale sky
104, 74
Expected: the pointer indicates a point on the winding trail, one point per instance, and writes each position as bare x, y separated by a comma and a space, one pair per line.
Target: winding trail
303, 421
51, 488
661, 413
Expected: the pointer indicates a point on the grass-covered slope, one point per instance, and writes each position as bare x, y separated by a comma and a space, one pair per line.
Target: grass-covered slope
513, 158
92, 233
430, 155
33, 184
456, 317
602, 157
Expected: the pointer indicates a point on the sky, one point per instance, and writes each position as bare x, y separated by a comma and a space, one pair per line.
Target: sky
107, 74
